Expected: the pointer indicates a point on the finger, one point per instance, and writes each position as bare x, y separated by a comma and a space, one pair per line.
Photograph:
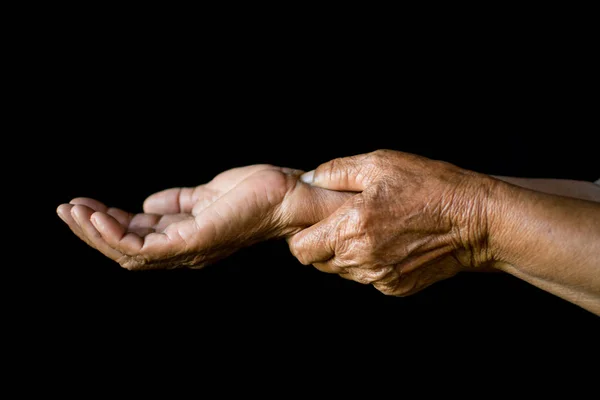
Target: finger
403, 285
115, 235
314, 244
345, 276
90, 203
392, 284
177, 238
64, 212
352, 271
327, 267
367, 274
353, 173
82, 215
182, 200
143, 224
168, 220
172, 201
154, 248
227, 180
122, 216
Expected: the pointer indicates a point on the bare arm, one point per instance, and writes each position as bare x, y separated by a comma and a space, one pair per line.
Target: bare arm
414, 221
562, 187
551, 241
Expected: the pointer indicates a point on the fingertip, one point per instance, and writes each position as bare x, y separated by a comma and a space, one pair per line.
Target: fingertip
95, 221
85, 224
62, 210
76, 211
107, 225
155, 203
149, 203
100, 221
78, 200
81, 213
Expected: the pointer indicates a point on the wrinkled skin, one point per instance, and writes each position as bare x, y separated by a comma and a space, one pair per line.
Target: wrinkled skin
412, 222
194, 227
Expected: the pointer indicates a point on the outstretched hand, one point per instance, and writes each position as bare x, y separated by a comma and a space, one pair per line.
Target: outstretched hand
198, 226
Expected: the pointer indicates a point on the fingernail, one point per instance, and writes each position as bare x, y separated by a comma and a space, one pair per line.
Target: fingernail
308, 177
61, 217
94, 221
74, 214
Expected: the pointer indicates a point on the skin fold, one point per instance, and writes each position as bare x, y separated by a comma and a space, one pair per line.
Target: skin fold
397, 221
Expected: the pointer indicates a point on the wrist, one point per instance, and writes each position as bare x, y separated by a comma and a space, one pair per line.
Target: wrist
507, 224
478, 212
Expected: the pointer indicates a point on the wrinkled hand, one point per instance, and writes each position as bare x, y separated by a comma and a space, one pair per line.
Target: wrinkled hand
413, 221
195, 227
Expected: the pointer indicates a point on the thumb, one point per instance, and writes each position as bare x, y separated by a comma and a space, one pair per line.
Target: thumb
353, 173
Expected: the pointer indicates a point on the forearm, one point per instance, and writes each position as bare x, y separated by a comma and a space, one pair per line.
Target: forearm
552, 242
562, 187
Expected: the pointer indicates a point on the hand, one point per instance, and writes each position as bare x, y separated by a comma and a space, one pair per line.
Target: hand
413, 222
195, 227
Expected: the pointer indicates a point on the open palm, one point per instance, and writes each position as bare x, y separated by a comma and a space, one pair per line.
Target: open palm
195, 227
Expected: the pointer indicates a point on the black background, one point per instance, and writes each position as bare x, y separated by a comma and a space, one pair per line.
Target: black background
140, 110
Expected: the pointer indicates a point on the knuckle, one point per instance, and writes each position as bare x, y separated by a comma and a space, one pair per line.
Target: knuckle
373, 165
388, 284
132, 263
361, 212
402, 293
380, 154
384, 288
356, 237
331, 168
372, 161
130, 266
378, 273
359, 223
357, 275
297, 250
338, 170
354, 219
369, 274
303, 259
